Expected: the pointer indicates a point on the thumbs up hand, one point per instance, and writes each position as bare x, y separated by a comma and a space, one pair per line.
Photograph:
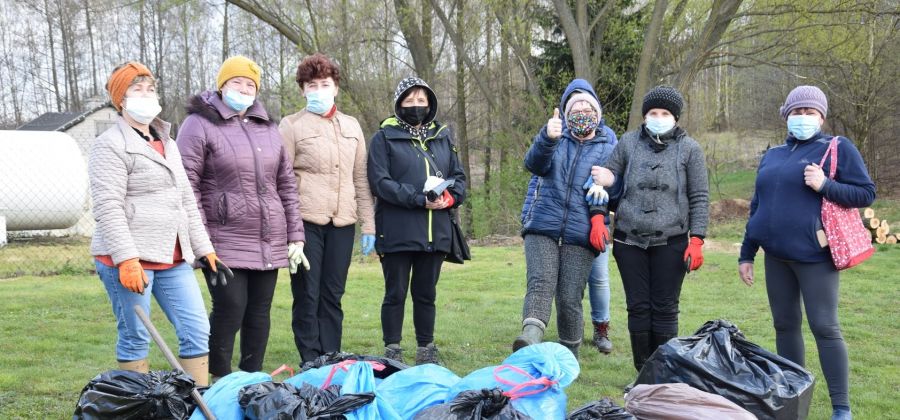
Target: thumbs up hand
554, 125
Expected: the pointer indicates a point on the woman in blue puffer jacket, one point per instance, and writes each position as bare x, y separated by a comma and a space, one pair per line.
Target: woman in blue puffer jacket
562, 232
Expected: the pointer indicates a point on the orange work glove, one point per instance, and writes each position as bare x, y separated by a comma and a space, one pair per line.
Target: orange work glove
448, 198
132, 275
599, 233
693, 255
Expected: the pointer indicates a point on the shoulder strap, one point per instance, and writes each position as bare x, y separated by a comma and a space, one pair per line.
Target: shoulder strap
437, 171
832, 150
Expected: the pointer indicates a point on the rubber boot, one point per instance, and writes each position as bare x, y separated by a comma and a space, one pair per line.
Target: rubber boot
658, 340
140, 366
427, 354
640, 348
601, 337
573, 347
198, 368
532, 333
393, 352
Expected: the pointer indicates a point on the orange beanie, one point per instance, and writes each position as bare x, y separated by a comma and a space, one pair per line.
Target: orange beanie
121, 79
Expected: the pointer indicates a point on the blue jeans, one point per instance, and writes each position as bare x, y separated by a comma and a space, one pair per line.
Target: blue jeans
598, 288
177, 293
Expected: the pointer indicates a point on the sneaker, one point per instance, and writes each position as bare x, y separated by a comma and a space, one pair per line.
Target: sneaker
601, 337
427, 354
393, 352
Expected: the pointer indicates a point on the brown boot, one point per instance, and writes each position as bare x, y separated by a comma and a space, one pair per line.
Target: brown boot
140, 366
198, 368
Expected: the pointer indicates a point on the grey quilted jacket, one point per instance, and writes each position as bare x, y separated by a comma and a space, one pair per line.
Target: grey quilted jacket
142, 200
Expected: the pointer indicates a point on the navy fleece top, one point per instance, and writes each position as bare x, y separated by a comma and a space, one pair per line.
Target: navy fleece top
785, 213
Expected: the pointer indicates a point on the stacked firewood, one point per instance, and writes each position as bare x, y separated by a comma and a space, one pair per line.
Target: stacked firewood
880, 228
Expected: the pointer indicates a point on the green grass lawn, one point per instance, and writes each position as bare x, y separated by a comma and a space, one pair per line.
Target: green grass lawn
56, 333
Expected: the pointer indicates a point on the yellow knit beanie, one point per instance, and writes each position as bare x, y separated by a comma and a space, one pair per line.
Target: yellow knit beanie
238, 66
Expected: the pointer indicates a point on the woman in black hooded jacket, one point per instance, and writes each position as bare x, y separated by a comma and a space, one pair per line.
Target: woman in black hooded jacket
413, 232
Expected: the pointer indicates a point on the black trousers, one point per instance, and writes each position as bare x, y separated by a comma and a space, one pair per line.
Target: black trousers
652, 281
244, 305
426, 268
316, 314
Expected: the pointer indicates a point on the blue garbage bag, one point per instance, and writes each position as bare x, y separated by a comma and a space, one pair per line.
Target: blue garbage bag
222, 397
361, 379
533, 378
417, 388
333, 374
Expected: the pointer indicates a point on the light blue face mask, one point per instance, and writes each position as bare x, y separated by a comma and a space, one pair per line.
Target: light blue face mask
659, 125
236, 100
802, 127
320, 101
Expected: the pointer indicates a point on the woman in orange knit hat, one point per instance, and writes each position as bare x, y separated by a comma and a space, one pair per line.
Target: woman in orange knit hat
148, 227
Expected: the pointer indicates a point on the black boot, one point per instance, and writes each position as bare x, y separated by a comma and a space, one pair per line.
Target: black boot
640, 348
660, 339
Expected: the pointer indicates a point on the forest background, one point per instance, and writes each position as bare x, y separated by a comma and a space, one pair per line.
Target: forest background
498, 67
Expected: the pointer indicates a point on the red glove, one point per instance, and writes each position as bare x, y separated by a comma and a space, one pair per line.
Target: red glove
693, 255
448, 198
599, 233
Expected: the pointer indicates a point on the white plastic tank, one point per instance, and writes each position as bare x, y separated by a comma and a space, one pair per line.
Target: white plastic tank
43, 180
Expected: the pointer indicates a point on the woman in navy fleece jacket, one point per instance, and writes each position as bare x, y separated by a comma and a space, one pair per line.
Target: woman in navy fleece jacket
785, 220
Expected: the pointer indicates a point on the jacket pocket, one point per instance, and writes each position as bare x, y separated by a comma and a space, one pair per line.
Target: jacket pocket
229, 208
222, 209
312, 155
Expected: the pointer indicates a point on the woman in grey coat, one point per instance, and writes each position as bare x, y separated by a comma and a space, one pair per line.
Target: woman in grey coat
660, 220
148, 228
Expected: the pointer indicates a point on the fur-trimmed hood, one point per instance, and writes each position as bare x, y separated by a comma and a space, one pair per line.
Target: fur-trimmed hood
210, 106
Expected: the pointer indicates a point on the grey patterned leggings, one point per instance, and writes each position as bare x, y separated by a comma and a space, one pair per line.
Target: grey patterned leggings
560, 272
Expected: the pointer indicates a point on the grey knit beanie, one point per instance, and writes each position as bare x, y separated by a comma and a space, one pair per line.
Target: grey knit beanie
805, 97
580, 95
665, 97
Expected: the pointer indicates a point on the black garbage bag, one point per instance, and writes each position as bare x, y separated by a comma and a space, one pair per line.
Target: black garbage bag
718, 359
604, 409
271, 400
486, 404
123, 394
391, 366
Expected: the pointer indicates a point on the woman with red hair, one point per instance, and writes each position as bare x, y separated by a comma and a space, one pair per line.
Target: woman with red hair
328, 151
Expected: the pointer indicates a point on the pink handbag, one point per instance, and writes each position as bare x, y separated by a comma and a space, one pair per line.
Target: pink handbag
848, 239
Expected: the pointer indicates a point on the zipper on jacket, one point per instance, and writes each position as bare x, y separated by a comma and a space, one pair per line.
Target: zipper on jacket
260, 189
565, 221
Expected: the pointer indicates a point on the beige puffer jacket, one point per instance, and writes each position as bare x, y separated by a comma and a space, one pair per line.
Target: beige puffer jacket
329, 157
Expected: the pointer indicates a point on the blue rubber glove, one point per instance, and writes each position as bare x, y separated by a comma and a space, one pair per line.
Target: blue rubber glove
368, 243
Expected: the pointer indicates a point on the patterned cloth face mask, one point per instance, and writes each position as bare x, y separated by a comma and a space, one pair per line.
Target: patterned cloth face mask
582, 124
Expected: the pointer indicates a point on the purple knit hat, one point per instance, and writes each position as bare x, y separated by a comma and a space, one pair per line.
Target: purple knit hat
805, 97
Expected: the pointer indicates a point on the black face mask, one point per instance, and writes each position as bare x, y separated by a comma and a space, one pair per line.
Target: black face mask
413, 115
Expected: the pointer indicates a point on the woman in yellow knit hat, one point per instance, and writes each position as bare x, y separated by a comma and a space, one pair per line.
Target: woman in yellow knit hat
244, 182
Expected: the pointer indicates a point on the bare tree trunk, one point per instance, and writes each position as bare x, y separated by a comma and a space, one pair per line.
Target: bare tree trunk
720, 15
225, 32
90, 33
419, 46
158, 53
49, 16
489, 36
462, 133
185, 38
642, 79
142, 32
575, 36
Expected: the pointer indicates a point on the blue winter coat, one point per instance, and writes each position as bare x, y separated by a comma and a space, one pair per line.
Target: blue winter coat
555, 205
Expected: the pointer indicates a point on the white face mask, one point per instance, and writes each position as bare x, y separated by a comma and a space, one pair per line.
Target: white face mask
660, 125
142, 109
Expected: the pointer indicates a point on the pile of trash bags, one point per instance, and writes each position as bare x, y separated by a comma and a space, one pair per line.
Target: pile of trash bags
715, 373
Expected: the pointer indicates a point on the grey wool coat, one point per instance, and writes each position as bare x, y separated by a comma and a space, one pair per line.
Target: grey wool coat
142, 201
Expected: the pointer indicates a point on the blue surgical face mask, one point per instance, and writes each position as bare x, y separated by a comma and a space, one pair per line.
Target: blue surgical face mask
236, 100
659, 125
802, 127
320, 101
